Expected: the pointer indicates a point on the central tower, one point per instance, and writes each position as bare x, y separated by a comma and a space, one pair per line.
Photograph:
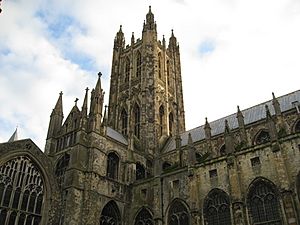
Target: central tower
146, 100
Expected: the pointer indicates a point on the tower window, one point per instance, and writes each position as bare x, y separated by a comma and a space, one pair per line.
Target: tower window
124, 121
61, 168
171, 122
161, 115
136, 112
138, 64
112, 165
127, 69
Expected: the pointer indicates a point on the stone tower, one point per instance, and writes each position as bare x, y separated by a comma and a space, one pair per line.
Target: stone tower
146, 100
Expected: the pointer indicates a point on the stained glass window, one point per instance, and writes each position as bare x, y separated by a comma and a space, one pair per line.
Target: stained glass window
21, 192
263, 204
178, 214
110, 214
217, 208
144, 218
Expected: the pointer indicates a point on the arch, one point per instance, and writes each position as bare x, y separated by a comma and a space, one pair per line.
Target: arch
262, 137
159, 65
61, 167
216, 208
137, 118
161, 117
112, 165
140, 172
223, 150
124, 121
144, 217
110, 214
20, 182
171, 123
263, 202
297, 126
127, 69
138, 64
178, 213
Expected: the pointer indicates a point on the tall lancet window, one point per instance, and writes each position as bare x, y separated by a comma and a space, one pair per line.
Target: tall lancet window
137, 115
127, 69
61, 168
138, 64
171, 124
124, 122
144, 217
110, 214
161, 116
168, 72
21, 192
112, 165
178, 214
159, 65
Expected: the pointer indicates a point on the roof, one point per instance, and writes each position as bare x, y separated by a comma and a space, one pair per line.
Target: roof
14, 136
116, 136
251, 115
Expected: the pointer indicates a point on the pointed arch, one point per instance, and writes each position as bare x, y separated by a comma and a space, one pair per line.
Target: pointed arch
140, 172
124, 122
263, 203
136, 121
20, 182
262, 137
171, 123
161, 119
138, 58
127, 69
223, 150
159, 65
216, 208
61, 167
112, 165
178, 213
110, 214
144, 217
297, 126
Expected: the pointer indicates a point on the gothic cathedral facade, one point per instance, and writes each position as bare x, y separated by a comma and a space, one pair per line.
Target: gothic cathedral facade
134, 163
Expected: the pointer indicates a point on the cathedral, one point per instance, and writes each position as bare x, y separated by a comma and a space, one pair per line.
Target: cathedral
134, 163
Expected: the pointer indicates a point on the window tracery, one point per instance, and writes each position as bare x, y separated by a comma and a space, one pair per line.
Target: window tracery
144, 218
217, 208
112, 165
124, 122
61, 168
110, 214
263, 137
178, 214
263, 204
21, 192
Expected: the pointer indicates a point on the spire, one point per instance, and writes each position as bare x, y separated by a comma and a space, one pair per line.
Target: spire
58, 109
98, 88
240, 117
164, 42
276, 105
14, 136
191, 152
119, 39
227, 128
271, 124
207, 129
84, 105
172, 41
268, 113
132, 38
150, 24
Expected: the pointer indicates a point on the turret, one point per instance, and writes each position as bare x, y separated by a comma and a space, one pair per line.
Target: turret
56, 118
84, 109
207, 130
119, 39
229, 146
241, 122
149, 28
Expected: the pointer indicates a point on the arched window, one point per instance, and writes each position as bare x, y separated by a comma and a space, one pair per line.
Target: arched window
140, 172
61, 168
263, 203
262, 137
110, 214
168, 72
144, 217
20, 183
171, 122
159, 65
124, 121
178, 214
112, 165
136, 114
161, 117
166, 165
127, 69
138, 64
217, 208
223, 150
297, 127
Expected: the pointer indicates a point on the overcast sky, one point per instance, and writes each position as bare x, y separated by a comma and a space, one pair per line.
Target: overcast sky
233, 52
